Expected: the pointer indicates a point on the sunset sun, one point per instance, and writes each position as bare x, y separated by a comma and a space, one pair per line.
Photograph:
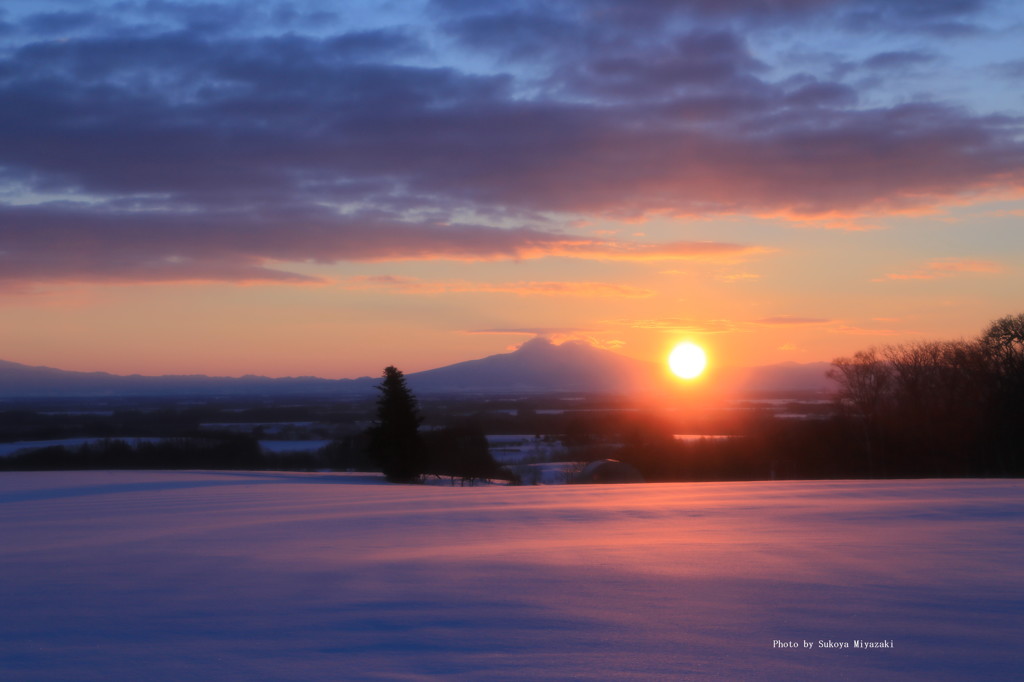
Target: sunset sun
687, 360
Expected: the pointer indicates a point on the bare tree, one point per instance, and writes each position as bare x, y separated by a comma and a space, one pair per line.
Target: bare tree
865, 387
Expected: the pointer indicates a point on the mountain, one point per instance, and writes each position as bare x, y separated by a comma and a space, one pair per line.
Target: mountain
24, 381
538, 366
541, 366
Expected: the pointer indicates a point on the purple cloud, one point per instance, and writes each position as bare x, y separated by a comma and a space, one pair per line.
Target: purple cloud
74, 243
899, 60
201, 149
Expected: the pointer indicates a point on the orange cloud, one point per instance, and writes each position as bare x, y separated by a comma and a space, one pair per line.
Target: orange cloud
738, 277
54, 243
715, 252
411, 285
679, 324
557, 336
547, 332
864, 331
791, 320
945, 267
855, 221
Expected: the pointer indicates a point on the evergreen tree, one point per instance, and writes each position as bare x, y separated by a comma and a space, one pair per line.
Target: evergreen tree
395, 443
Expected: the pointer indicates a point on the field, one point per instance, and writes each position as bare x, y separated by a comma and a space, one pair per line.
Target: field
264, 576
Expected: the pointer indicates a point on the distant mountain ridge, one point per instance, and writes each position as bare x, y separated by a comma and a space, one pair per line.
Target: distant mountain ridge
17, 380
538, 366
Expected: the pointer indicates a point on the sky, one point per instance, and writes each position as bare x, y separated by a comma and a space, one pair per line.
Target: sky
326, 188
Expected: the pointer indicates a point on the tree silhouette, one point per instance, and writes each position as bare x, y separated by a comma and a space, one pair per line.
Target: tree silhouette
939, 408
1004, 344
395, 443
865, 382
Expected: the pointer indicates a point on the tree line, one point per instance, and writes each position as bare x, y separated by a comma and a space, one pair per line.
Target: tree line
938, 408
209, 451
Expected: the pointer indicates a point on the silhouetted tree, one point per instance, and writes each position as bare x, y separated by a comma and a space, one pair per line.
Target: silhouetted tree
865, 383
1003, 342
939, 408
395, 443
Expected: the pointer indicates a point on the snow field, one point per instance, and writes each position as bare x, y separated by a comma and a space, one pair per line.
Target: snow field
286, 576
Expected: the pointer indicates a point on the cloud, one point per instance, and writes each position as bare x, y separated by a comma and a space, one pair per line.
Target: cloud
557, 336
946, 267
547, 332
680, 324
836, 220
62, 242
1013, 70
217, 142
59, 22
292, 118
412, 285
854, 330
699, 59
712, 252
629, 15
899, 60
791, 320
722, 326
738, 277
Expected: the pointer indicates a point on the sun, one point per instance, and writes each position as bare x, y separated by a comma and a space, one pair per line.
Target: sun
687, 360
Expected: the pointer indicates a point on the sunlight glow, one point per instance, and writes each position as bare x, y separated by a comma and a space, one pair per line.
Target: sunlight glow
687, 360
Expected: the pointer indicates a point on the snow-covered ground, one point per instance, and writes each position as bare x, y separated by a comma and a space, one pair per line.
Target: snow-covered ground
265, 576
